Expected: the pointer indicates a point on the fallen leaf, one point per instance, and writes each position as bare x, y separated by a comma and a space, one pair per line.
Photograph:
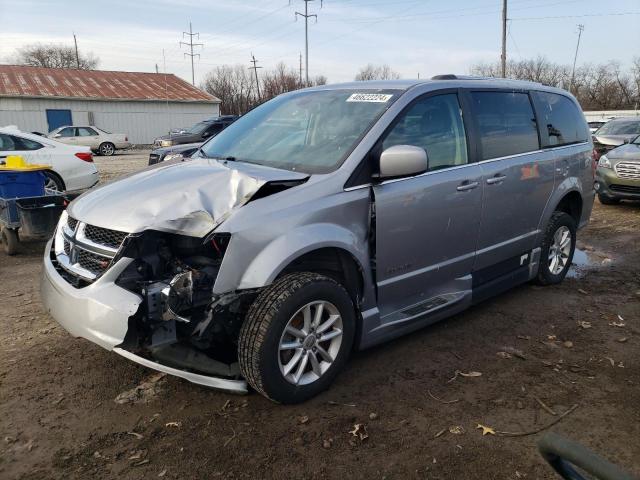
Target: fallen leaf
163, 473
617, 324
304, 419
440, 433
471, 374
486, 430
504, 355
360, 431
456, 429
584, 324
141, 462
582, 291
173, 424
551, 337
622, 339
373, 416
611, 361
134, 434
568, 344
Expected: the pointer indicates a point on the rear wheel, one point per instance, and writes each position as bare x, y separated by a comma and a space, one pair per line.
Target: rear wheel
608, 200
53, 182
107, 149
558, 246
10, 240
296, 337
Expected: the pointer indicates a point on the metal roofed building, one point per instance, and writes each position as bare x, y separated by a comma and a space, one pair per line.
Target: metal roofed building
141, 105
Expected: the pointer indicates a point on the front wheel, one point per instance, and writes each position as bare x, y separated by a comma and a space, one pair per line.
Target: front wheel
107, 149
296, 337
558, 246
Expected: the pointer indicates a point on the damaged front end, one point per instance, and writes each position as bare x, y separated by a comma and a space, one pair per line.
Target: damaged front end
180, 323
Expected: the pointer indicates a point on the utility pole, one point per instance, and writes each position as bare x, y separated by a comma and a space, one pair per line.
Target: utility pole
306, 17
300, 75
255, 71
190, 44
157, 70
503, 57
77, 56
575, 58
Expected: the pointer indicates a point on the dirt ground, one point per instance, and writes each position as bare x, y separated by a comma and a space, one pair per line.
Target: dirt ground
573, 344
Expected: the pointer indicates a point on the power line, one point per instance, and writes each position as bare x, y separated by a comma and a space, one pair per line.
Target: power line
575, 58
191, 45
306, 15
255, 71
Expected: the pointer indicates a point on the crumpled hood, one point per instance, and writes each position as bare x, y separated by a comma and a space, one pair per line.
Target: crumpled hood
190, 198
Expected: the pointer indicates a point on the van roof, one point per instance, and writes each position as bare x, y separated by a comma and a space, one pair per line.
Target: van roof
447, 80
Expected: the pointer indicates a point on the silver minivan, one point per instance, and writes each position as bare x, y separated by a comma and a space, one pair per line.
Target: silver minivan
325, 220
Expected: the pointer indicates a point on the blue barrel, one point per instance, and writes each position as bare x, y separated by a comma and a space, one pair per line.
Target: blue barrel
21, 183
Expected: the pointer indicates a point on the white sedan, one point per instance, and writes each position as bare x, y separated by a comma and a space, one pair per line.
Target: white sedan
72, 168
98, 140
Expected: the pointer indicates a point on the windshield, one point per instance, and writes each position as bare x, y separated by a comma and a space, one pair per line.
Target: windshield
307, 131
620, 128
637, 140
198, 127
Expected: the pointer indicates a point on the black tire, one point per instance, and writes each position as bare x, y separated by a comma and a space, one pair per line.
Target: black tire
545, 275
54, 181
259, 340
10, 240
107, 149
608, 200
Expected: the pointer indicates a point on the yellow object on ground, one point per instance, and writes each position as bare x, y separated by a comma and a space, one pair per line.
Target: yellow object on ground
17, 163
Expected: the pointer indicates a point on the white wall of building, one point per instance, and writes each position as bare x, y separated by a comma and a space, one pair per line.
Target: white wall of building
595, 115
141, 121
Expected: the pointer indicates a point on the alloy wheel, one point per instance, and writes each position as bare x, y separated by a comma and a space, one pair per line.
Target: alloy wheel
559, 250
310, 342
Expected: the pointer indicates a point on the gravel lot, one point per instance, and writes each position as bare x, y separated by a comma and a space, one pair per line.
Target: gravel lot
573, 344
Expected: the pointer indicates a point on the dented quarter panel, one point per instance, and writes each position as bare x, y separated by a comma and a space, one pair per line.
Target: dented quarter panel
294, 222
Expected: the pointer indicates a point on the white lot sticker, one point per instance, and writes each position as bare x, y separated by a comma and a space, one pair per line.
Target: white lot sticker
370, 97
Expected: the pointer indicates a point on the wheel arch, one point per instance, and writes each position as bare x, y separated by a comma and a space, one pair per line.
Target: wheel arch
58, 177
571, 203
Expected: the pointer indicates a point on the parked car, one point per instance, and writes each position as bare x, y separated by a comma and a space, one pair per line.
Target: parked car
98, 140
614, 133
618, 174
162, 154
72, 167
595, 125
325, 220
200, 132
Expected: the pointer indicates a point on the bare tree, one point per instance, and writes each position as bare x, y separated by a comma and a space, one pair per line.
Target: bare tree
376, 72
597, 87
54, 56
235, 86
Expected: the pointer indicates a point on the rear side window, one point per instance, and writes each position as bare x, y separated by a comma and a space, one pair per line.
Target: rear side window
26, 144
506, 123
561, 123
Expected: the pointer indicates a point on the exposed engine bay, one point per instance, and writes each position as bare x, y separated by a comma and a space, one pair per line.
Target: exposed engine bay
180, 322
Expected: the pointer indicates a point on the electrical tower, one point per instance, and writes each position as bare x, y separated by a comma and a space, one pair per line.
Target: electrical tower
575, 58
306, 15
255, 71
190, 44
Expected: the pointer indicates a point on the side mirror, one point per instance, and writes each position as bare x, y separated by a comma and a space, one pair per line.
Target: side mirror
402, 161
57, 135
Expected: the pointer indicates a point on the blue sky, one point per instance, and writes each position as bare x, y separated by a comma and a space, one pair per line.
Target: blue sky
424, 37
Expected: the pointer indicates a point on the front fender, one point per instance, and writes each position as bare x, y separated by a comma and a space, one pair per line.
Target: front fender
279, 253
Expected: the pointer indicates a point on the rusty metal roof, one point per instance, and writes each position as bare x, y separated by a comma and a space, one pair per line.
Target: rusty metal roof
24, 81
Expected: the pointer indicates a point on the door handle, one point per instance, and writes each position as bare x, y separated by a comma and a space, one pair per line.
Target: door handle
497, 179
466, 185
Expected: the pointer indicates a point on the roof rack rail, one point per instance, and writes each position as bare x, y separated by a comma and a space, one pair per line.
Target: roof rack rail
446, 76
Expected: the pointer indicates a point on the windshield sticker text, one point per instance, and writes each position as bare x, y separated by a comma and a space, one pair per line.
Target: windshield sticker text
369, 97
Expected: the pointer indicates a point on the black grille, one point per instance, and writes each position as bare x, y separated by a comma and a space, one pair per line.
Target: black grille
96, 264
67, 247
625, 189
104, 236
154, 158
71, 223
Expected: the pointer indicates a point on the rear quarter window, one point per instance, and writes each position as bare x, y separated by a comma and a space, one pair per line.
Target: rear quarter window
506, 123
561, 122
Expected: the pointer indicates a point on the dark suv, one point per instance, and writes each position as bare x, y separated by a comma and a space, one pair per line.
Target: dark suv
200, 132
